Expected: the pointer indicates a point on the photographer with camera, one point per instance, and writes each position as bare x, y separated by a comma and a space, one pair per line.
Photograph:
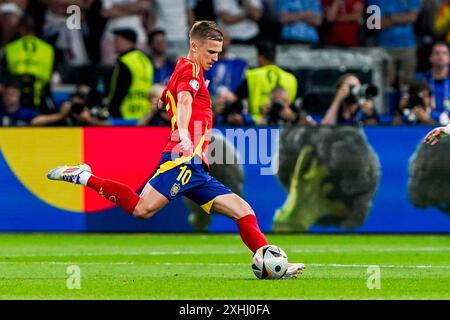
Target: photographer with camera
353, 103
280, 111
416, 105
13, 113
258, 83
229, 111
81, 113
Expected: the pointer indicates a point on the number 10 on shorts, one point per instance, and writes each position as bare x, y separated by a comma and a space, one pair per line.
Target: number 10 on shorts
185, 175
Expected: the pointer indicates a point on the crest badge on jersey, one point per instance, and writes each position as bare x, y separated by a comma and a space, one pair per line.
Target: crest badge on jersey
194, 84
174, 190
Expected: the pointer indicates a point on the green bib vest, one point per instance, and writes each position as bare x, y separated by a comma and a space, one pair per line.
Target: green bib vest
261, 81
31, 56
136, 103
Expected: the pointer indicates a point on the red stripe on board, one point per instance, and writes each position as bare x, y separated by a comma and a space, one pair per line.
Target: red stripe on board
128, 155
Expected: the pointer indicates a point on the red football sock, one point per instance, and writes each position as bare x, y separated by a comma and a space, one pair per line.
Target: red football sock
116, 192
250, 233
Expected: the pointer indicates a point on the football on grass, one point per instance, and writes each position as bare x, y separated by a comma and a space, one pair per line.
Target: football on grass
269, 262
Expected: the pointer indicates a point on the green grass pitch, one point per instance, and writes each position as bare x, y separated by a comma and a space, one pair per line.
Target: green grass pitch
200, 266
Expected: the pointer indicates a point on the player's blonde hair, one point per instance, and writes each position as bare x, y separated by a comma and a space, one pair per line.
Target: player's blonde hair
204, 30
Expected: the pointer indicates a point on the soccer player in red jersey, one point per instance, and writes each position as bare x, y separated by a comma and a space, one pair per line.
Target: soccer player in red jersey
183, 169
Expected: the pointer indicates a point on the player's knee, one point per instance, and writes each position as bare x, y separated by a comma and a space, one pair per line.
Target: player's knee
244, 209
144, 212
245, 213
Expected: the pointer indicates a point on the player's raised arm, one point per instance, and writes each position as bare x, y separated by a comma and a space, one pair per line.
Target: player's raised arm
435, 135
184, 112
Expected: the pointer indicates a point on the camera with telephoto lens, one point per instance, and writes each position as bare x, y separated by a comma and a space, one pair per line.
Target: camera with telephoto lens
357, 93
275, 110
415, 100
416, 92
232, 108
78, 101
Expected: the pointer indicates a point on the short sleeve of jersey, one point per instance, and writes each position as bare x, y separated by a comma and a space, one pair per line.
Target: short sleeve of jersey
189, 79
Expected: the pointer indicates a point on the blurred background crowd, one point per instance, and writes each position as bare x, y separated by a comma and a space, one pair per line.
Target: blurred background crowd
308, 62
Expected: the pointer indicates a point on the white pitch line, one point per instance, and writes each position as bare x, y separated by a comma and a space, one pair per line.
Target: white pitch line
224, 252
334, 265
215, 264
65, 262
379, 265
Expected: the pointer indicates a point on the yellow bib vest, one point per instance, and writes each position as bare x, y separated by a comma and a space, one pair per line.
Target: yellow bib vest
136, 103
261, 81
31, 56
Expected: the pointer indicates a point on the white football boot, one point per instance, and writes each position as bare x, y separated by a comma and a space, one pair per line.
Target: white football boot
293, 271
68, 174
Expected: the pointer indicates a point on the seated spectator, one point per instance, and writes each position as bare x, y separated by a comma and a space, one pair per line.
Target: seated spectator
259, 82
442, 21
398, 38
438, 79
415, 106
12, 113
280, 111
35, 72
300, 20
227, 72
239, 19
352, 104
342, 22
163, 66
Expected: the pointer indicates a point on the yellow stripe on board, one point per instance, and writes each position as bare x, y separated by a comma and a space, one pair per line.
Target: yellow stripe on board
32, 152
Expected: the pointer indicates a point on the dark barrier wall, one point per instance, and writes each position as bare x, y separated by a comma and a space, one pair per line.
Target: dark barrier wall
325, 179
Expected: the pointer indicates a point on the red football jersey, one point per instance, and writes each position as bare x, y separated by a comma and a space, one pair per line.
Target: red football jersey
342, 33
188, 76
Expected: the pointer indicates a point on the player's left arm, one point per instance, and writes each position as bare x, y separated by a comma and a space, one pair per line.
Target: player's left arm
184, 112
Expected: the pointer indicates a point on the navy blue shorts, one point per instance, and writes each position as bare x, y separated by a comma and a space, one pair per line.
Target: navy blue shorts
173, 178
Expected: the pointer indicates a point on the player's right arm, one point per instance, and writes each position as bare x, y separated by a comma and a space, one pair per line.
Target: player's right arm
184, 112
435, 135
